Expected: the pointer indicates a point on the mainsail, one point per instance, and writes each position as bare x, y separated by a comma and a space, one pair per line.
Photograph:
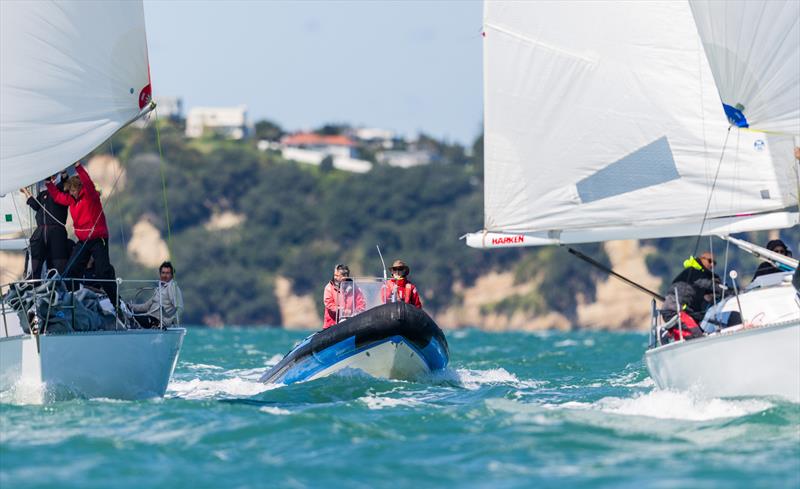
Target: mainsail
603, 121
71, 75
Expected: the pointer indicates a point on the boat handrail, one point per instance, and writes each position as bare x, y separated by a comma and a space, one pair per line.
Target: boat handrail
657, 325
32, 323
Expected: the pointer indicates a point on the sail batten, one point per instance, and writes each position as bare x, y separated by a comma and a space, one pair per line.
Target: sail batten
71, 75
600, 115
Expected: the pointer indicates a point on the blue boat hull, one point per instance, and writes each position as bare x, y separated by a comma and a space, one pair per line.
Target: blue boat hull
393, 340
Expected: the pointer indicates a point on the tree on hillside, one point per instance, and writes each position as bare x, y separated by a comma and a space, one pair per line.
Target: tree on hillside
333, 129
268, 130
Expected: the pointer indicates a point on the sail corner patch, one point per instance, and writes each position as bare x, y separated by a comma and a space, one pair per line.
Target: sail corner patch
648, 166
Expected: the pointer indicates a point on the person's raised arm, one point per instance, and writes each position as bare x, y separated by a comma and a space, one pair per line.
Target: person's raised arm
86, 180
32, 202
59, 197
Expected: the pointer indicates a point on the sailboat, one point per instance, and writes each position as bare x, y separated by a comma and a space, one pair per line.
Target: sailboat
72, 74
637, 120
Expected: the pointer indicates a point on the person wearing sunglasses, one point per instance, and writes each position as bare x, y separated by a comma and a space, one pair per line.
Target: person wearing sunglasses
766, 267
399, 288
696, 288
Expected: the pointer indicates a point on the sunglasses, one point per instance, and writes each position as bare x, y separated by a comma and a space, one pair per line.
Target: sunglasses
782, 251
710, 260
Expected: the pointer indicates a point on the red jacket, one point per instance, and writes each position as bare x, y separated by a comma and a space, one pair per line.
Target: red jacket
401, 290
87, 214
338, 304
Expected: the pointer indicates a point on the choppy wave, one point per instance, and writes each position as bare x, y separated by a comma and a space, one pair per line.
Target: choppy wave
665, 404
513, 410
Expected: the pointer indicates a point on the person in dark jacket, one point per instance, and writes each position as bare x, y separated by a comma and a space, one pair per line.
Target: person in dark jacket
766, 267
89, 222
696, 287
49, 242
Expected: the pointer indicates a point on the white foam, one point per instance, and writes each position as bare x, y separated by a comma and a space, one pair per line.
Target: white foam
273, 360
210, 389
274, 410
664, 404
562, 344
379, 402
200, 366
474, 379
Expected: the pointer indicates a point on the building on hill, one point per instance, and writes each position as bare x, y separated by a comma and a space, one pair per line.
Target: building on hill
310, 148
405, 158
229, 122
169, 108
382, 138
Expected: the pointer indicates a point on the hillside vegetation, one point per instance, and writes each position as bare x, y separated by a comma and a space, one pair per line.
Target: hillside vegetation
300, 220
297, 221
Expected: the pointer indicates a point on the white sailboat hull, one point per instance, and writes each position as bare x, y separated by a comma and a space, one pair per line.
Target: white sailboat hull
388, 360
127, 365
763, 361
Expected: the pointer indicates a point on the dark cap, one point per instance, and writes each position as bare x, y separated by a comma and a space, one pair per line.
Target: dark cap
776, 243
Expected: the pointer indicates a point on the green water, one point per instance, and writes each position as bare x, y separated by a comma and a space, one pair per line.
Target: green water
513, 410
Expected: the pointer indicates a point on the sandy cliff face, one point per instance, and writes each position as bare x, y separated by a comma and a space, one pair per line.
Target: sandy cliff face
146, 245
618, 305
297, 311
12, 265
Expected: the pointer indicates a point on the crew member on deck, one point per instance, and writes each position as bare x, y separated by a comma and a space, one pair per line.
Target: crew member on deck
165, 306
341, 297
765, 267
91, 230
696, 287
399, 288
49, 242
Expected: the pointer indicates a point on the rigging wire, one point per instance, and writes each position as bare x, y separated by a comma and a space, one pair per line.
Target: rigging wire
117, 202
711, 192
163, 184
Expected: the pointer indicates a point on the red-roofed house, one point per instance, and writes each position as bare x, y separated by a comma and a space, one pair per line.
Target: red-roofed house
307, 147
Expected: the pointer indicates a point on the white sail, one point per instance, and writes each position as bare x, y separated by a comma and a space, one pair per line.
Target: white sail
16, 218
753, 48
71, 75
602, 121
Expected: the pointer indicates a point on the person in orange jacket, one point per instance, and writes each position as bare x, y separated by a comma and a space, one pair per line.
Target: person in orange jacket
339, 297
399, 288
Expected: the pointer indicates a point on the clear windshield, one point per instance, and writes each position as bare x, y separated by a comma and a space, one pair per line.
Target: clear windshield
358, 295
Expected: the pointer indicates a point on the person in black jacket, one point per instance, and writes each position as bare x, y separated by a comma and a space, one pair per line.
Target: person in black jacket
765, 267
48, 243
696, 288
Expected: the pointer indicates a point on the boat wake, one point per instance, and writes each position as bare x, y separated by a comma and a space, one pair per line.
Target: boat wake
678, 405
214, 382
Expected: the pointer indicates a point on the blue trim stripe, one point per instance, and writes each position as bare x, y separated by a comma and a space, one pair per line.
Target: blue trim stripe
433, 355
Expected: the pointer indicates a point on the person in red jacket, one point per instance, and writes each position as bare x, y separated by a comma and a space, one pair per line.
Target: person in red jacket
89, 222
398, 288
341, 297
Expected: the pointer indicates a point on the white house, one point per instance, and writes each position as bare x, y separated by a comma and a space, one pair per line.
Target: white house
169, 107
313, 148
230, 122
404, 159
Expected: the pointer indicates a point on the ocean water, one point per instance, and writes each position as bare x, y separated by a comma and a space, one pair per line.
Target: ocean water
513, 410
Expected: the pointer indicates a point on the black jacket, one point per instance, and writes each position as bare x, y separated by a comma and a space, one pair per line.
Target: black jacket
702, 282
766, 268
55, 210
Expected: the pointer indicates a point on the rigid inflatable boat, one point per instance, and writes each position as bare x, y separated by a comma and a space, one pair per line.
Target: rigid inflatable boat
394, 340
